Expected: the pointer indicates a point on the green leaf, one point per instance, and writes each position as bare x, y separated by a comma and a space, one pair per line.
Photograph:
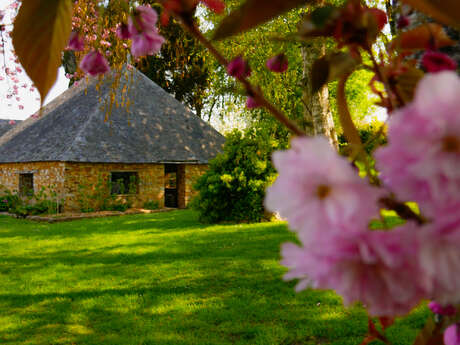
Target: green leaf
321, 15
444, 11
41, 31
253, 13
69, 61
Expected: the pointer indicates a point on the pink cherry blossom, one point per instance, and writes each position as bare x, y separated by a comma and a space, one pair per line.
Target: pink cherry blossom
422, 160
440, 258
251, 103
145, 37
238, 68
377, 268
278, 63
94, 63
76, 42
435, 62
318, 191
123, 32
148, 43
452, 335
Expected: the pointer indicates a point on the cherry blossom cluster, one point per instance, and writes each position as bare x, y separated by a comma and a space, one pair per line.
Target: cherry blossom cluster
330, 208
11, 71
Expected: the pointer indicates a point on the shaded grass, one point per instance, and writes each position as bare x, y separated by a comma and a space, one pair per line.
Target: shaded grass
164, 279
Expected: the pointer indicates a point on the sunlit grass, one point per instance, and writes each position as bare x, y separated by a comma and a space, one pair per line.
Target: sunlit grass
163, 279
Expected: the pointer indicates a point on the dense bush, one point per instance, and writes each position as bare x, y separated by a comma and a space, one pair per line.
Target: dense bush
151, 205
370, 137
233, 188
41, 202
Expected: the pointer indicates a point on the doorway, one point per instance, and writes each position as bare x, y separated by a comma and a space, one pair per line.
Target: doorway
171, 194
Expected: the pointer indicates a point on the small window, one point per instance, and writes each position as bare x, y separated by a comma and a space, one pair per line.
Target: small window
125, 182
26, 184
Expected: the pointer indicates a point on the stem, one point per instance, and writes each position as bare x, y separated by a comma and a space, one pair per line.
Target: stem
402, 210
383, 78
250, 89
350, 131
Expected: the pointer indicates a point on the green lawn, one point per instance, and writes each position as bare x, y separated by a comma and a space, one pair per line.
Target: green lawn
163, 279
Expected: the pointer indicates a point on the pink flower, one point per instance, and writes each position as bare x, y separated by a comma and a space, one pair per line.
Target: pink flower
376, 268
123, 32
440, 258
238, 68
278, 63
422, 161
251, 103
435, 62
145, 37
94, 63
452, 335
448, 310
403, 22
76, 42
148, 43
318, 191
12, 122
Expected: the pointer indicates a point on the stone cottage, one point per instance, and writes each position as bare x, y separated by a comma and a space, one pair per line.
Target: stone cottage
124, 134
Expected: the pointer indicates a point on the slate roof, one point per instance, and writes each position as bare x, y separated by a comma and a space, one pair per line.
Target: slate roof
5, 125
156, 129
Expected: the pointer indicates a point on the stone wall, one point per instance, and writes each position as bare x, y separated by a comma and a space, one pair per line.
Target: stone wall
73, 183
91, 178
47, 177
191, 173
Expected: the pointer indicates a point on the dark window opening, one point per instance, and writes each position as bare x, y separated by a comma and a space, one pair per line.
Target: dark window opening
126, 182
171, 185
26, 184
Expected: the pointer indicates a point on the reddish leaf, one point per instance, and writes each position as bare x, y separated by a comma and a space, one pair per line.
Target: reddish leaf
423, 37
444, 11
41, 31
407, 82
253, 13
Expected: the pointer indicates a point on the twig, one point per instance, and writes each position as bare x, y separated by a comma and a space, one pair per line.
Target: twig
250, 89
402, 210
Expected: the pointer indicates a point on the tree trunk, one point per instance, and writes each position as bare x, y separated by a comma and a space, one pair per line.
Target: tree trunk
317, 113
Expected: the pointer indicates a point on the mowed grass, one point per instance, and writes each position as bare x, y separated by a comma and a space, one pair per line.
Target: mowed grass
164, 279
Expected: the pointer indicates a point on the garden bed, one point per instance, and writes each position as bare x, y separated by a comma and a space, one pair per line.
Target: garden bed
69, 216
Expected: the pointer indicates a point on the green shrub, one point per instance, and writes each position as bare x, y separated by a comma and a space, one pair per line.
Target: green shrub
233, 187
119, 206
370, 137
151, 205
8, 201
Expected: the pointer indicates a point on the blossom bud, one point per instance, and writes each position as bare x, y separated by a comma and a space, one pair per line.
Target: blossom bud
434, 62
94, 63
403, 22
452, 335
278, 63
123, 31
251, 103
238, 68
76, 42
448, 310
